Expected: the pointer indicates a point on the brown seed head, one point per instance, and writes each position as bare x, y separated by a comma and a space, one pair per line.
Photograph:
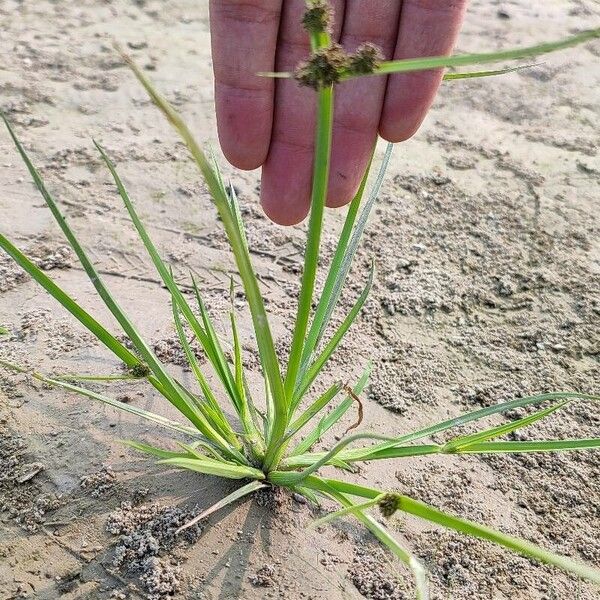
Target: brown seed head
365, 60
324, 68
318, 18
389, 504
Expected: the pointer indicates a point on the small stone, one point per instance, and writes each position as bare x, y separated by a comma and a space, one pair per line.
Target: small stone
138, 45
30, 471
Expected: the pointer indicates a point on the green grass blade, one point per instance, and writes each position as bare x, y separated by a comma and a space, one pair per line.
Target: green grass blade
532, 446
217, 416
192, 360
457, 444
326, 458
323, 484
311, 411
193, 452
481, 414
237, 214
161, 267
144, 414
476, 74
171, 392
96, 378
217, 170
327, 422
384, 536
461, 60
219, 359
342, 261
237, 352
305, 460
314, 409
344, 512
318, 323
421, 64
102, 334
89, 268
154, 451
357, 234
245, 490
433, 515
160, 453
331, 346
214, 467
3, 331
262, 329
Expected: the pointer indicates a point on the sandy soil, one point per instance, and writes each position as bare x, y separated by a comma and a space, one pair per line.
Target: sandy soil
486, 243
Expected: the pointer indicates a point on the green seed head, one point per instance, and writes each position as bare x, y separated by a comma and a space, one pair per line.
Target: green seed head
318, 18
140, 370
389, 504
365, 60
324, 68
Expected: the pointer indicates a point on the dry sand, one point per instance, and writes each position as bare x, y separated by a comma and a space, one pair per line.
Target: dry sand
486, 244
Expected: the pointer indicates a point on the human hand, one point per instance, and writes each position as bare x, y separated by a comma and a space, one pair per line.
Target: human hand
270, 123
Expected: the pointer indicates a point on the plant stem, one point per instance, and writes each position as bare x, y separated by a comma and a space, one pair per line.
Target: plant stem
311, 259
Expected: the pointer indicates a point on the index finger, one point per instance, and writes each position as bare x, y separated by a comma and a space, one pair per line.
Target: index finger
244, 38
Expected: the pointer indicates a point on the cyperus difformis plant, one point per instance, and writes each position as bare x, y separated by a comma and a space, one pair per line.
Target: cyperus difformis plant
275, 448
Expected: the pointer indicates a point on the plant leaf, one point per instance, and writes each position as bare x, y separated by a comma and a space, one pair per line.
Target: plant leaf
318, 323
319, 404
166, 276
433, 515
326, 458
249, 488
384, 536
344, 512
424, 511
477, 415
327, 422
262, 330
532, 446
459, 443
472, 74
93, 326
305, 460
342, 261
214, 467
331, 346
166, 384
144, 414
89, 268
217, 416
154, 451
421, 64
216, 351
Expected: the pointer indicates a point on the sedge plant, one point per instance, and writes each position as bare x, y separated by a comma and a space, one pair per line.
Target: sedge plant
275, 446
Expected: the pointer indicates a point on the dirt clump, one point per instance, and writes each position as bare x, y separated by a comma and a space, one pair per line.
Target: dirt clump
21, 497
372, 579
147, 537
100, 484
